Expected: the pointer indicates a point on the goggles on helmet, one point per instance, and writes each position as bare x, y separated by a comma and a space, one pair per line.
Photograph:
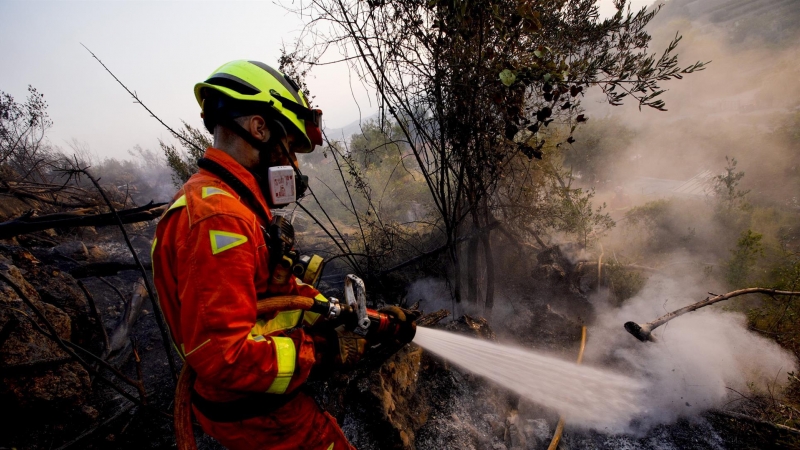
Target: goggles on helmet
311, 117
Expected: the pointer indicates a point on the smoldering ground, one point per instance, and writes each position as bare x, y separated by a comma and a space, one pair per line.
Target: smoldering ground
703, 360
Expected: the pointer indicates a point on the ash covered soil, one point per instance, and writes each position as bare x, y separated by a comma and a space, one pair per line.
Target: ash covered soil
402, 399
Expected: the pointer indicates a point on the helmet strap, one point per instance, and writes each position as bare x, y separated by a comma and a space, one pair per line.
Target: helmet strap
233, 125
276, 134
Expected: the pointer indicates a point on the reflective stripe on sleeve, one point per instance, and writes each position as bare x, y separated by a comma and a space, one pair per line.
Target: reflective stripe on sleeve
311, 317
285, 354
282, 321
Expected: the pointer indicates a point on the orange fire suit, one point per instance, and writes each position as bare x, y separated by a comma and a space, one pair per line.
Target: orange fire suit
210, 264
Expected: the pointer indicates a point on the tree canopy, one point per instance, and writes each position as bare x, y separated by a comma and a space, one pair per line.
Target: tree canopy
476, 85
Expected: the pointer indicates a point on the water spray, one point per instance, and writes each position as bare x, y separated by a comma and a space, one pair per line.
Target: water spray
587, 396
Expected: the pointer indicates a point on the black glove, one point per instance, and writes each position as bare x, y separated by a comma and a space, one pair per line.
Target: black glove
337, 348
404, 321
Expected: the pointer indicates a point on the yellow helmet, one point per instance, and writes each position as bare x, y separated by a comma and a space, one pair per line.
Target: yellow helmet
266, 91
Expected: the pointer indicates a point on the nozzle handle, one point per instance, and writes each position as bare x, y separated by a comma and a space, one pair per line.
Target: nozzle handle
355, 296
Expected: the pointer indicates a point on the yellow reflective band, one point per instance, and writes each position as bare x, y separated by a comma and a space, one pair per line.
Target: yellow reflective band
282, 321
208, 191
312, 271
285, 354
330, 447
223, 240
152, 250
310, 317
181, 201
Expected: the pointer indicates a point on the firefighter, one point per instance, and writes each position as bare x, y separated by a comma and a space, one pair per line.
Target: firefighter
211, 262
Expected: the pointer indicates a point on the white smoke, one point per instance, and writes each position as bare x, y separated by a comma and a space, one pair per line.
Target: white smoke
702, 360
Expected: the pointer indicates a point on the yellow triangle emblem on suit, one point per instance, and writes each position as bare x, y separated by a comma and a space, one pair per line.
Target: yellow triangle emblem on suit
224, 240
208, 191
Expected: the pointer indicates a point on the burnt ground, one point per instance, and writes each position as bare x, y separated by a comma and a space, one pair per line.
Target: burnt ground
403, 400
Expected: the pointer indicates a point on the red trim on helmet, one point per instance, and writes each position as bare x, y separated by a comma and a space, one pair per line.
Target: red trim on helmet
313, 130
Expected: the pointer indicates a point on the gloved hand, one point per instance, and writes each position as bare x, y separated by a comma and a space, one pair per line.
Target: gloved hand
404, 321
350, 346
337, 348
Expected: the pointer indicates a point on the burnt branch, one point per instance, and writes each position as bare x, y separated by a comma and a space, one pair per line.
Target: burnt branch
643, 331
100, 426
23, 194
29, 366
165, 337
96, 316
29, 224
104, 269
429, 320
136, 98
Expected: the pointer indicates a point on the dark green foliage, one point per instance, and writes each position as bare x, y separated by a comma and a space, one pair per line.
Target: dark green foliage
486, 79
662, 225
779, 317
744, 258
540, 196
599, 147
480, 88
726, 187
376, 146
373, 194
24, 154
623, 282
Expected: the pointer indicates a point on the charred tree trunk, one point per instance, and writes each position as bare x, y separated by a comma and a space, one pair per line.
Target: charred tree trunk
488, 259
472, 270
456, 271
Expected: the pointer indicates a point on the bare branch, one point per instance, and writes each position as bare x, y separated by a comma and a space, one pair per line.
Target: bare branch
643, 331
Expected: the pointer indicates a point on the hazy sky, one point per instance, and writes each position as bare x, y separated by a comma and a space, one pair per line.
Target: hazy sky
160, 49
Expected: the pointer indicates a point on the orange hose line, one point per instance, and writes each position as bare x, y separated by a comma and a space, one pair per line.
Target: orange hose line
284, 303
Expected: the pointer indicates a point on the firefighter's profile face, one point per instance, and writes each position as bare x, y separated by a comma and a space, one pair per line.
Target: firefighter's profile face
279, 157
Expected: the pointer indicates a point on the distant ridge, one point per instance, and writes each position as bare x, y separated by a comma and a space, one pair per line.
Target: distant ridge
347, 131
772, 19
